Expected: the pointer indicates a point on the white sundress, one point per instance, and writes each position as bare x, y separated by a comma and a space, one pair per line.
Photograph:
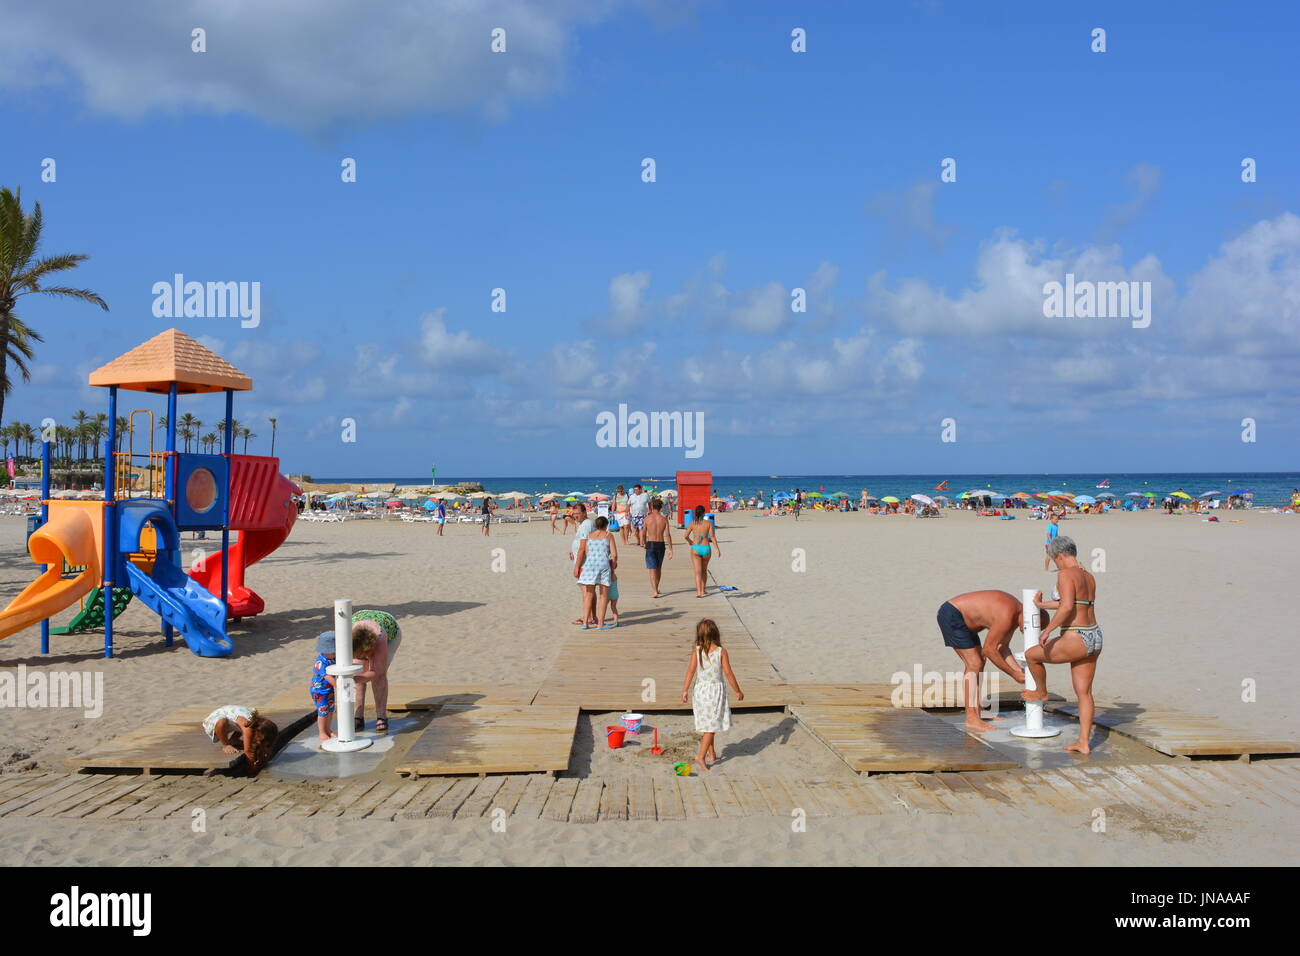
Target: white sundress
709, 696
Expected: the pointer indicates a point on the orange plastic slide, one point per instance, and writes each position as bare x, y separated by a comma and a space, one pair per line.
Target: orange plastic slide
74, 533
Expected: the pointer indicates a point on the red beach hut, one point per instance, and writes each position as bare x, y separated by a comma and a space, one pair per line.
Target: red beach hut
693, 488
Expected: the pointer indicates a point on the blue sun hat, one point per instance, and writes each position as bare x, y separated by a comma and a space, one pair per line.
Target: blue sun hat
325, 643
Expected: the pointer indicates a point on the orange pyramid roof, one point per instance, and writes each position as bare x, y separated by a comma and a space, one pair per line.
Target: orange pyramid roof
171, 356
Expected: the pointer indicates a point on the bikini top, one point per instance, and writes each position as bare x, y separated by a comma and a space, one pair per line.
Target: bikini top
1091, 603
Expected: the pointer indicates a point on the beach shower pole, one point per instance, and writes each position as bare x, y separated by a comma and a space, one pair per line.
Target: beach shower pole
1033, 725
345, 690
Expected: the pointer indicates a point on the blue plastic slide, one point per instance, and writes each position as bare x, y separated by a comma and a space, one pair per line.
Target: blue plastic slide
184, 604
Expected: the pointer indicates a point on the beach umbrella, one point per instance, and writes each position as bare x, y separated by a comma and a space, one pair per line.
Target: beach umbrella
889, 499
870, 498
942, 498
1021, 495
668, 493
1181, 494
814, 494
924, 499
1105, 494
1212, 494
1133, 494
1149, 494
597, 496
1085, 500
513, 495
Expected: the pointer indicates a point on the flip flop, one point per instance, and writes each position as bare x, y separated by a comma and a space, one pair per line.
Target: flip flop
607, 627
381, 725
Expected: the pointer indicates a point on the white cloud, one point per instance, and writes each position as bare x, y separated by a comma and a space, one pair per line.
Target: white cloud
627, 310
1007, 295
910, 213
302, 63
1144, 179
442, 348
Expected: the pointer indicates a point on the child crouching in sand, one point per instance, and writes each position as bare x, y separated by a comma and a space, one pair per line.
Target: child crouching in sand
709, 664
242, 730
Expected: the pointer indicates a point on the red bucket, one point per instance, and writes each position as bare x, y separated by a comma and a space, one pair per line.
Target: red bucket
614, 737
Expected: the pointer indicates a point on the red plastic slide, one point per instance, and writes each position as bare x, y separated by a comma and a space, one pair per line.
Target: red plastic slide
263, 512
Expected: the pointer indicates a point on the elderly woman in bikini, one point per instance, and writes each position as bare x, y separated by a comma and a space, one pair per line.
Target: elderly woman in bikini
375, 639
1079, 643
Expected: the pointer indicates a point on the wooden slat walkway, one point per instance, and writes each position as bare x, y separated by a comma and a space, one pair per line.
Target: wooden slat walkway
1182, 735
1075, 791
177, 744
641, 664
886, 739
493, 738
945, 697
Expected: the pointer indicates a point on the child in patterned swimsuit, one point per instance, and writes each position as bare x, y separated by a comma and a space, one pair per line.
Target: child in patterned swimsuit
323, 684
242, 730
709, 665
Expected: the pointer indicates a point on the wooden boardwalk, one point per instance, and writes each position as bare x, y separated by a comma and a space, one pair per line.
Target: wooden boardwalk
1182, 735
1182, 788
177, 744
878, 739
640, 664
493, 738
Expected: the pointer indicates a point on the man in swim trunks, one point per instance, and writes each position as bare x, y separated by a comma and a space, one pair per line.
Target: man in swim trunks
960, 621
638, 506
658, 536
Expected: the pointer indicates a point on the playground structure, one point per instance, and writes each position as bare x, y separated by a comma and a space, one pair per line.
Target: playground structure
104, 553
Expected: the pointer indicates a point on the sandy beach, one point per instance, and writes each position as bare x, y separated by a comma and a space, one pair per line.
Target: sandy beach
1191, 610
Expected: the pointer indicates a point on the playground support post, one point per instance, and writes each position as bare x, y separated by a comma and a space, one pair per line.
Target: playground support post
45, 516
1033, 725
225, 510
345, 691
110, 523
169, 481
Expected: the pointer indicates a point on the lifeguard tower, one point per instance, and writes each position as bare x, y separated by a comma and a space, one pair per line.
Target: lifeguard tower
128, 545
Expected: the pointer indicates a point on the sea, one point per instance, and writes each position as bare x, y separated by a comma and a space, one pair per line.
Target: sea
1267, 488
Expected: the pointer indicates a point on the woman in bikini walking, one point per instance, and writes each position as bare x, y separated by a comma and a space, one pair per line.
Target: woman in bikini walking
703, 541
1079, 643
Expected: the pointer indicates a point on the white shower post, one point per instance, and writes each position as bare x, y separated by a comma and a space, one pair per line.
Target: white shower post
1033, 725
345, 690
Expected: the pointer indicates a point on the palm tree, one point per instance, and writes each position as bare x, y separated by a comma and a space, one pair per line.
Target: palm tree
30, 436
21, 274
97, 430
123, 426
63, 443
210, 441
189, 428
273, 423
246, 433
81, 417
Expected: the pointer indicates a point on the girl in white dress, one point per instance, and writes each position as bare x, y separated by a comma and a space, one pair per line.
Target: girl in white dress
709, 665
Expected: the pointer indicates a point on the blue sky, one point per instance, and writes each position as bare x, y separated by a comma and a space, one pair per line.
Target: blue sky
775, 170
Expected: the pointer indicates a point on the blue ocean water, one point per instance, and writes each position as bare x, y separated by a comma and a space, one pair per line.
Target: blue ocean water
1269, 488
